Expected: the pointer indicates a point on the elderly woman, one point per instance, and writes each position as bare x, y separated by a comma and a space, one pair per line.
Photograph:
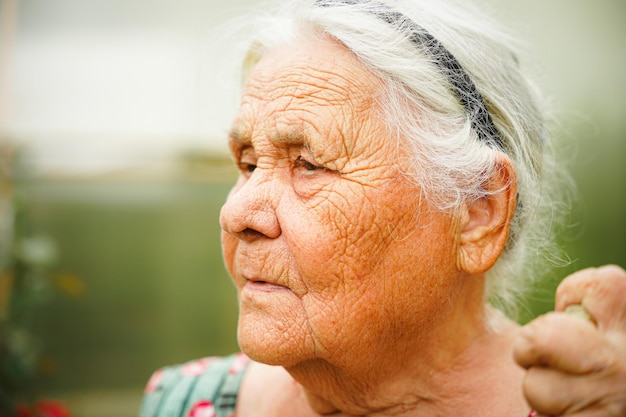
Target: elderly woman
392, 181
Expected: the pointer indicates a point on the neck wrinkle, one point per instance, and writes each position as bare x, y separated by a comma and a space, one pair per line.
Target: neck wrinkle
444, 387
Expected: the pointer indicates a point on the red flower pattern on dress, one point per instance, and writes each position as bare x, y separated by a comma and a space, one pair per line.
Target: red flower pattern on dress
202, 408
154, 381
239, 363
197, 367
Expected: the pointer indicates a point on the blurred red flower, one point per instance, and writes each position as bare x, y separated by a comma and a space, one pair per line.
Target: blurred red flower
50, 408
42, 408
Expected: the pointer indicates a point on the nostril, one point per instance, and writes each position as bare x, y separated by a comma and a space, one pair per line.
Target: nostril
249, 234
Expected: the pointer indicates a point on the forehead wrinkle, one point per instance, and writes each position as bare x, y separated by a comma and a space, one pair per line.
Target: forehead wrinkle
335, 81
349, 91
323, 88
297, 93
340, 101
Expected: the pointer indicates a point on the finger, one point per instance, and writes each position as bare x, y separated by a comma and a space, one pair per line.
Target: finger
601, 291
559, 341
553, 392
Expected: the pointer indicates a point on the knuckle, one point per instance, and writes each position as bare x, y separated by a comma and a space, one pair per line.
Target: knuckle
545, 331
615, 271
612, 278
529, 340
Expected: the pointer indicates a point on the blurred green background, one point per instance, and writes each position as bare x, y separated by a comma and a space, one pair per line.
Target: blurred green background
139, 282
126, 185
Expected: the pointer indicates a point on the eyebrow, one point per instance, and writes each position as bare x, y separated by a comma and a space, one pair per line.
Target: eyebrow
291, 138
236, 135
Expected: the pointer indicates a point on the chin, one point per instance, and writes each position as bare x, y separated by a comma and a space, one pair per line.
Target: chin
269, 343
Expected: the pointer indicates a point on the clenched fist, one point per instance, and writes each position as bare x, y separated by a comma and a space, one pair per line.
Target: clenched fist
578, 367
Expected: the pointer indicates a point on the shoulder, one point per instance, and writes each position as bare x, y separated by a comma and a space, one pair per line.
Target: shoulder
203, 387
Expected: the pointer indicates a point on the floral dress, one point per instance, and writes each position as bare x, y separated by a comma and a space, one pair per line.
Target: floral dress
205, 387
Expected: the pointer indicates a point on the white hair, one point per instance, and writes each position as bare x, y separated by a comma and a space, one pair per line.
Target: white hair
450, 163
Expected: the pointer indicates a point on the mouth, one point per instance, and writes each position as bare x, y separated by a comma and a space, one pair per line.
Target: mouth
262, 285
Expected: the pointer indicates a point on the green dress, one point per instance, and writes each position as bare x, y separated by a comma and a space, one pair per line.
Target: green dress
206, 387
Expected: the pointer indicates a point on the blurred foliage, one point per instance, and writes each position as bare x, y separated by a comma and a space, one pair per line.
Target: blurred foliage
149, 255
26, 260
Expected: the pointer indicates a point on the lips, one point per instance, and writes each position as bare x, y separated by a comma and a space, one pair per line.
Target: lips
263, 285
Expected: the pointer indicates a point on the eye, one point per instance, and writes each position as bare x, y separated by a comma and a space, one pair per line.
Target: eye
247, 161
307, 166
246, 168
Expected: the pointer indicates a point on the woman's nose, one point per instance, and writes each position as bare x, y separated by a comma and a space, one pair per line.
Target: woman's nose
249, 211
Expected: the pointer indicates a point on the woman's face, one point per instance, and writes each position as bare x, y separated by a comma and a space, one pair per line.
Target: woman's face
333, 253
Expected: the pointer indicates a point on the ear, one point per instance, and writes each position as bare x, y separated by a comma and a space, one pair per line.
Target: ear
484, 223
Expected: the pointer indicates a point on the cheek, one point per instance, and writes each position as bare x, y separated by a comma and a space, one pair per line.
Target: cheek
334, 241
378, 250
354, 228
338, 249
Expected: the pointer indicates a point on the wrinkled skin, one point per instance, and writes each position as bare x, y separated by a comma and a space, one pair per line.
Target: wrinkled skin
367, 296
575, 367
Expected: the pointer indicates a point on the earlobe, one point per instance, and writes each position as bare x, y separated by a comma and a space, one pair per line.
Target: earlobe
484, 223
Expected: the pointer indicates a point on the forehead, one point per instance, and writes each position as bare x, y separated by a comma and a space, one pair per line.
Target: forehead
311, 88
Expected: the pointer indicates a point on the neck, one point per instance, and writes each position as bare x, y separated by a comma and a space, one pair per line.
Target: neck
465, 370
